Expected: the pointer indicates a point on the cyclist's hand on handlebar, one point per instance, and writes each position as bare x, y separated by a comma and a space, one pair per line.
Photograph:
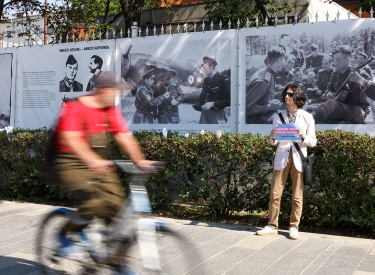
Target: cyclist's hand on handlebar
149, 166
101, 166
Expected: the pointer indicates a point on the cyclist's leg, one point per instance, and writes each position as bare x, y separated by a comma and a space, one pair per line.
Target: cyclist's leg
112, 197
79, 181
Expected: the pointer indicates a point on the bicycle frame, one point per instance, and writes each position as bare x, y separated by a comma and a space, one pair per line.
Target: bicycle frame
135, 209
130, 224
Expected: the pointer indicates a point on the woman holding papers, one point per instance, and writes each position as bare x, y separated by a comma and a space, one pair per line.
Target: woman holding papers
288, 160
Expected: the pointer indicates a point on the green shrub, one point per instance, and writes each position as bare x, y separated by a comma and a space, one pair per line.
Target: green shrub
220, 175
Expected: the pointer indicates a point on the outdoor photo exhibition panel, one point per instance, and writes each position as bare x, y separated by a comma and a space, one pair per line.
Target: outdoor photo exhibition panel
321, 58
52, 74
193, 86
8, 59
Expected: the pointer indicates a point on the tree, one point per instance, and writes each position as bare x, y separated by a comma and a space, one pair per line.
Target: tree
77, 15
233, 10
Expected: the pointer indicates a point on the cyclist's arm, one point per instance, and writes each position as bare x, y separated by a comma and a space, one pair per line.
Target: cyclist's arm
75, 140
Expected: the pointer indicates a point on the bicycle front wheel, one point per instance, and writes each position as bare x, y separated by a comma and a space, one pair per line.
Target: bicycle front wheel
177, 252
50, 262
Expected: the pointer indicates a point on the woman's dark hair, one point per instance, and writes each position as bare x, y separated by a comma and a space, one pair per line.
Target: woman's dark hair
299, 97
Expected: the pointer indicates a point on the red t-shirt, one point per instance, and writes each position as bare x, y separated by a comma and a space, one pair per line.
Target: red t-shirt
78, 117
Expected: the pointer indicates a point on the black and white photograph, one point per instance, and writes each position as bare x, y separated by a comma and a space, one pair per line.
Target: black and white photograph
177, 82
95, 68
6, 80
66, 71
335, 68
69, 83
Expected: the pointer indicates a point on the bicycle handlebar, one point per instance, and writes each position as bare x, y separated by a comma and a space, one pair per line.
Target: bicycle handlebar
129, 167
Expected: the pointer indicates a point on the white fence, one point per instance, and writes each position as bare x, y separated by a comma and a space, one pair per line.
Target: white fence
11, 39
33, 96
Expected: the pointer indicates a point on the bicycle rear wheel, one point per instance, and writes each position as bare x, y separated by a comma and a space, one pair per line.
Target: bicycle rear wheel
50, 262
178, 254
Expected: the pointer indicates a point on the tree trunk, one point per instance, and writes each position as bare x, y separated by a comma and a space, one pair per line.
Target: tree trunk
1, 7
106, 11
132, 11
263, 11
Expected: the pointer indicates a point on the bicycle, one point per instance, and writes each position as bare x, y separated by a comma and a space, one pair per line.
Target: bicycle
160, 249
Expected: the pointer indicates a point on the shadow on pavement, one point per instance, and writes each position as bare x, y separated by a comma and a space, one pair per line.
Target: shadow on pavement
224, 226
17, 266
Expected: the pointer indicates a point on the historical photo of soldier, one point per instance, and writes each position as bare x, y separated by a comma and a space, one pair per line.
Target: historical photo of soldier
348, 92
299, 55
146, 102
6, 78
336, 75
284, 42
260, 88
286, 75
215, 95
167, 111
315, 59
190, 84
69, 84
95, 66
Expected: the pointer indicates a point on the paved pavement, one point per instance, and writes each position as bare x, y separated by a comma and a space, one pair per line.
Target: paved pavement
222, 248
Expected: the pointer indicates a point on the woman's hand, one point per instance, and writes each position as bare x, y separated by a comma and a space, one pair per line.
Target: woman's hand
302, 132
273, 135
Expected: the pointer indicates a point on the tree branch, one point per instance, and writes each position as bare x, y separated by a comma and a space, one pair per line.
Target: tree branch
263, 11
106, 11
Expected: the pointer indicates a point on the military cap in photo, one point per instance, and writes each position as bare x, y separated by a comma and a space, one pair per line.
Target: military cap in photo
71, 60
211, 61
314, 47
343, 49
107, 79
362, 54
273, 54
148, 73
167, 76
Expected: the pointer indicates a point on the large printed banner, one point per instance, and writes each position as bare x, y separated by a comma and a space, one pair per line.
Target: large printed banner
332, 63
8, 58
50, 75
180, 82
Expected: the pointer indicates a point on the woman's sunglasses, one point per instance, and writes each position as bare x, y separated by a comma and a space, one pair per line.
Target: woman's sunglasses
289, 94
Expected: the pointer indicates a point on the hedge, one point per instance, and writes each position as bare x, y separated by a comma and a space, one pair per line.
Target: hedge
221, 175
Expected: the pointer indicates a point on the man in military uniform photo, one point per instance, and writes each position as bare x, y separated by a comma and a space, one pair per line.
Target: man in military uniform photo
95, 67
69, 84
144, 99
314, 60
298, 54
360, 57
286, 75
298, 77
167, 112
284, 42
311, 88
261, 87
324, 74
215, 95
344, 105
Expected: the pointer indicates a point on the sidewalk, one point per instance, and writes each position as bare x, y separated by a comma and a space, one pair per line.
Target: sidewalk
224, 249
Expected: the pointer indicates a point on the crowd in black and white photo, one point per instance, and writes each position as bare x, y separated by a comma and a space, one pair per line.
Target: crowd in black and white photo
336, 76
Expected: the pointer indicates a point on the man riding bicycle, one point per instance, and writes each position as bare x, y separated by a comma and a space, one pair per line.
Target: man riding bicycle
83, 166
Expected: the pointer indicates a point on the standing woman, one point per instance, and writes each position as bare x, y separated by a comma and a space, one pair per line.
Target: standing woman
288, 161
